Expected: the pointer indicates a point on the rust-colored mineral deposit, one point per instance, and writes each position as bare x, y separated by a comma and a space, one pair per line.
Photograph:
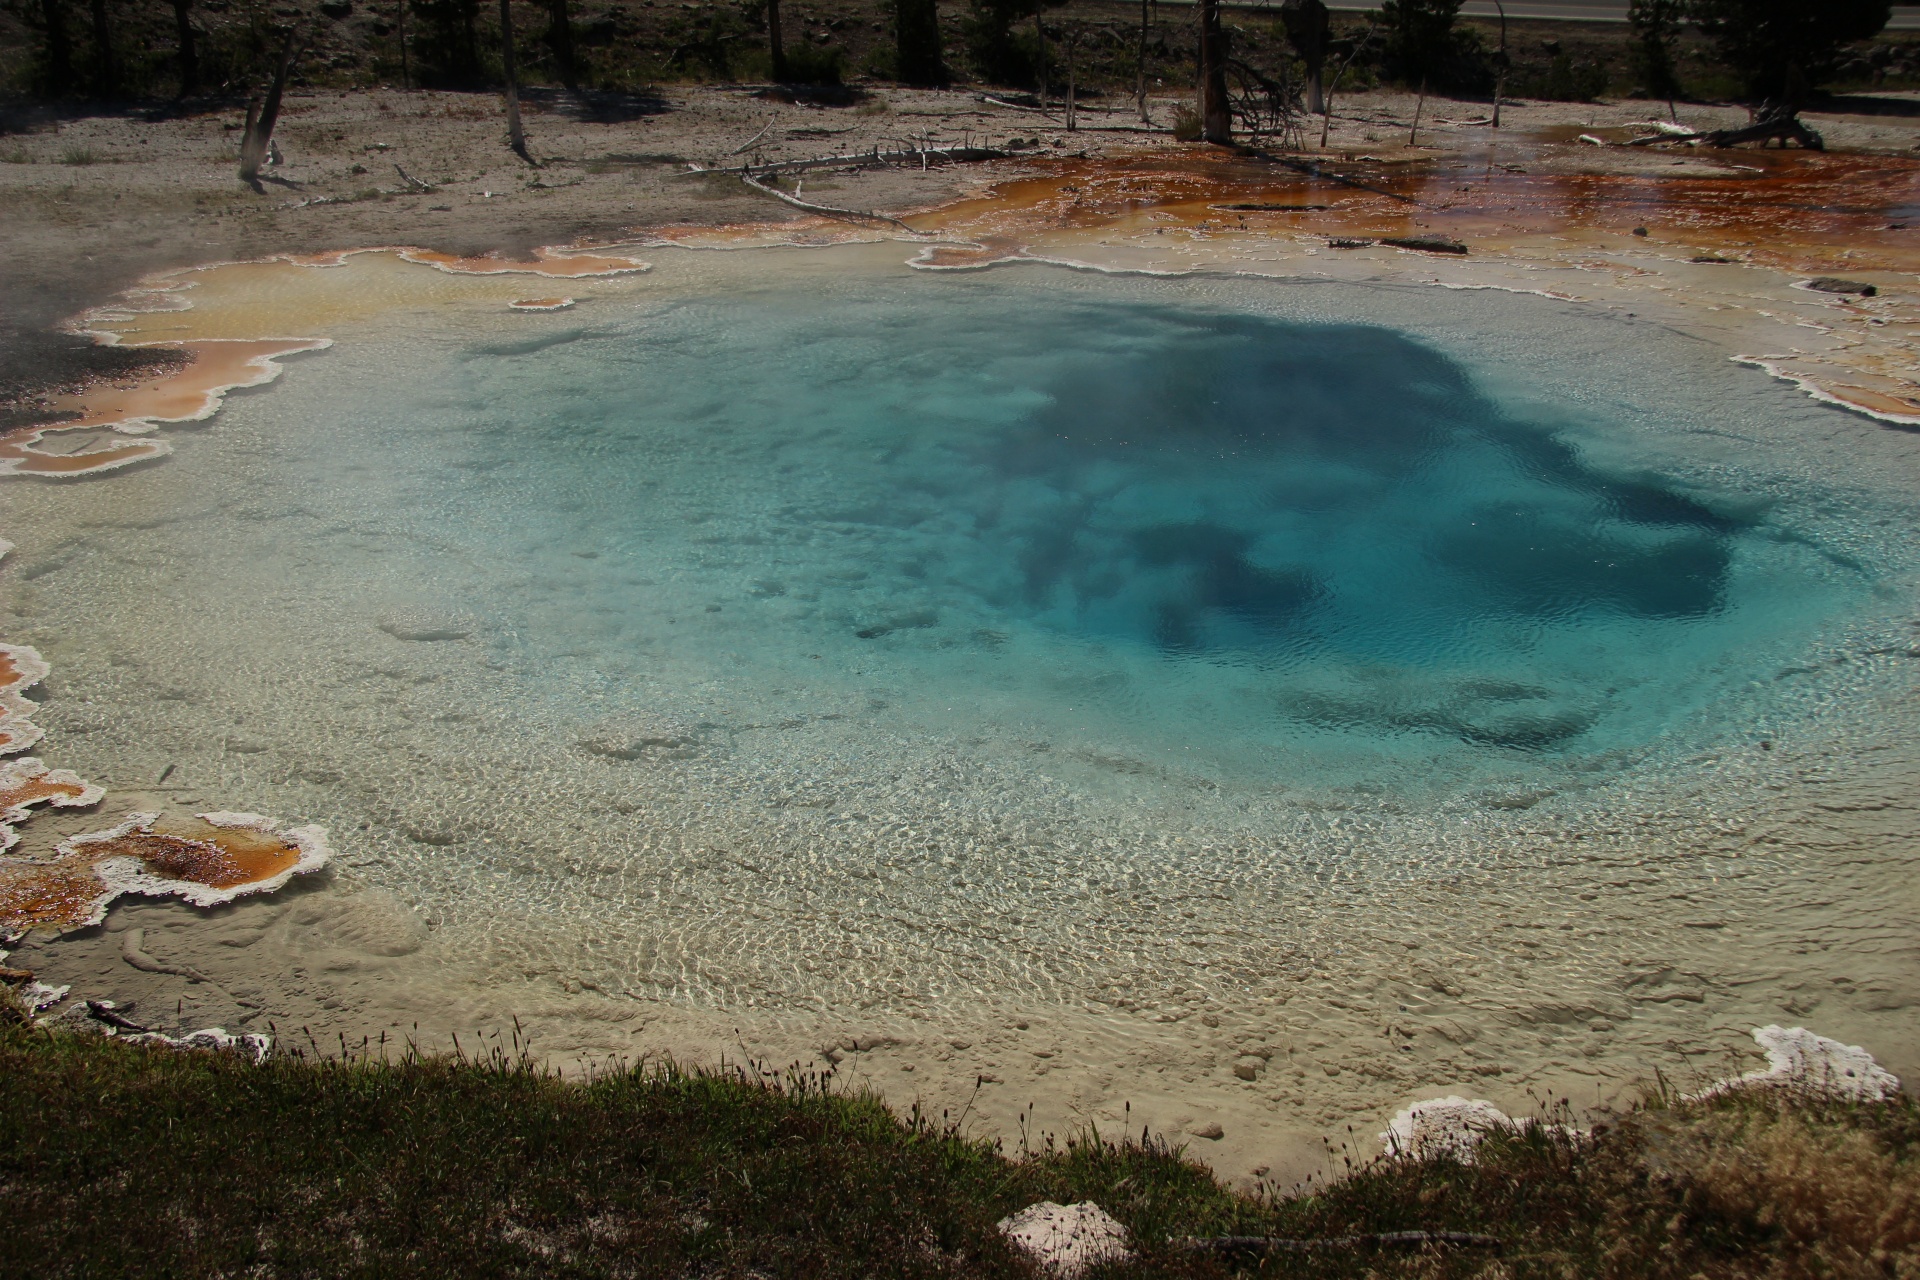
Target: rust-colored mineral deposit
210, 860
28, 782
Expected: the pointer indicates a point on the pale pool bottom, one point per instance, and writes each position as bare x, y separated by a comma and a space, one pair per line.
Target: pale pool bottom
648, 853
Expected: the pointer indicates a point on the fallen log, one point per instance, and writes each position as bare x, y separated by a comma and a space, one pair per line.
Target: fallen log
1262, 1245
937, 155
858, 215
1769, 128
750, 141
1425, 244
1014, 106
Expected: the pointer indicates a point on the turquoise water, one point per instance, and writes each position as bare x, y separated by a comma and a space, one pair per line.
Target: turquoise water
1301, 550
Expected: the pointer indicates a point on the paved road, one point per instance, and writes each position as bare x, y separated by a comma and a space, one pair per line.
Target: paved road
1906, 17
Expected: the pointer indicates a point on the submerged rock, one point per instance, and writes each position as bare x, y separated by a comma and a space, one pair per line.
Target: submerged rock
1834, 284
1425, 244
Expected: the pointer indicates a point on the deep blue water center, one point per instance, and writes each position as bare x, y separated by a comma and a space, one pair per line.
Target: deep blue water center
1265, 488
1289, 547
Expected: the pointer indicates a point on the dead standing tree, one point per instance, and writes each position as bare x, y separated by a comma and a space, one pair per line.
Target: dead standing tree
1359, 47
1140, 64
776, 44
516, 135
189, 54
106, 68
1216, 110
261, 117
1307, 27
917, 53
58, 71
1268, 106
560, 41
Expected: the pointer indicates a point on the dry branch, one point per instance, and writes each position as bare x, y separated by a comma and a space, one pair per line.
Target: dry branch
1015, 106
1777, 127
1388, 1239
915, 155
859, 215
750, 141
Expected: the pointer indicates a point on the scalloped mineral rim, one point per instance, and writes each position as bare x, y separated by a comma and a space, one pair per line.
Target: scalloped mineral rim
236, 854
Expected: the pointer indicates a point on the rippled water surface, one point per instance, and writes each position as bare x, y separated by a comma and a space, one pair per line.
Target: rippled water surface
918, 596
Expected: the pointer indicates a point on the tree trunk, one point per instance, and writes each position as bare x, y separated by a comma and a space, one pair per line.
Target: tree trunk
1216, 113
1500, 65
516, 136
776, 43
106, 72
59, 48
400, 29
1140, 83
560, 40
261, 119
189, 56
1072, 83
1040, 36
470, 44
916, 27
1307, 30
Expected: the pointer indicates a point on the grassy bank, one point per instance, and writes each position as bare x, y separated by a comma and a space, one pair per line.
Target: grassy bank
130, 1161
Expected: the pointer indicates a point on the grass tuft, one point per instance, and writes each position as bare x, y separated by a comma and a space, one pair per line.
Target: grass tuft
130, 1161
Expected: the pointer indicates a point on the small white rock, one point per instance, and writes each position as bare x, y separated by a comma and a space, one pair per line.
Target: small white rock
1066, 1239
1449, 1126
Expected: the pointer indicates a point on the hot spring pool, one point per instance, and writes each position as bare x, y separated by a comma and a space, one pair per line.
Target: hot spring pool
796, 630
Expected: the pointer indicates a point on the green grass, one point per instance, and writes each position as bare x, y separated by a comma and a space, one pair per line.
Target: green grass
125, 1161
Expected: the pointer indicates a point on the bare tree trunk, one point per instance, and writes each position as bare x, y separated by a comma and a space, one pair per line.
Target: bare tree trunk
516, 136
261, 117
560, 40
1216, 113
916, 33
1040, 34
776, 42
1072, 38
1413, 134
1306, 22
1140, 83
1326, 119
106, 71
189, 56
1501, 63
400, 28
59, 48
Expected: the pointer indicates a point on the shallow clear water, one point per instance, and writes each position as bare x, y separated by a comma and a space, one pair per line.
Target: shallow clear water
834, 609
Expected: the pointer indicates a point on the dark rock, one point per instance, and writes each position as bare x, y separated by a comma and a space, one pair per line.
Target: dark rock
1425, 244
1834, 284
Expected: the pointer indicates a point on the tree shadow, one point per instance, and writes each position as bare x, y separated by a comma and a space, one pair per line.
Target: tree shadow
1862, 104
598, 106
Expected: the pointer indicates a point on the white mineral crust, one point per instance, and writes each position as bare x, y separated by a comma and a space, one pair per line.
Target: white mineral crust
1066, 1239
